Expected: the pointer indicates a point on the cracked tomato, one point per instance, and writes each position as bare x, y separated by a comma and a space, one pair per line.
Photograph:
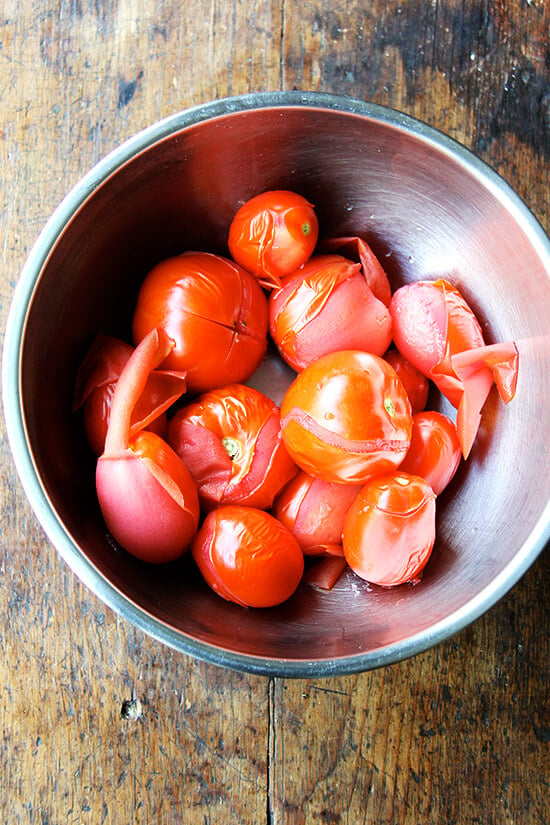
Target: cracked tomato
230, 439
435, 452
214, 311
346, 417
273, 234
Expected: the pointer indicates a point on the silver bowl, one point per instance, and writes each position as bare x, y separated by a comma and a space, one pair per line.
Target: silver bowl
428, 207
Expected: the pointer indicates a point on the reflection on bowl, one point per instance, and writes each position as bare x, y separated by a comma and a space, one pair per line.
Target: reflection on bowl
427, 207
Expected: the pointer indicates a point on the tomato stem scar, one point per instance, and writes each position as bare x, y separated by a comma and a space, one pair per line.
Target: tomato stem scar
232, 447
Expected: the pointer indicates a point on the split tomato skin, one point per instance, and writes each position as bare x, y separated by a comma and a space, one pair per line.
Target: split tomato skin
230, 439
149, 501
346, 417
416, 384
314, 511
248, 557
435, 451
273, 234
213, 310
326, 306
389, 530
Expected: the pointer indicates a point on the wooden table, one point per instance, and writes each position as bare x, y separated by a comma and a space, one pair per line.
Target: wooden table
101, 724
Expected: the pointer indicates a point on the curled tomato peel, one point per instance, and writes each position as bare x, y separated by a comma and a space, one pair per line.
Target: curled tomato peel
436, 330
230, 439
95, 384
247, 556
389, 531
147, 496
327, 306
373, 271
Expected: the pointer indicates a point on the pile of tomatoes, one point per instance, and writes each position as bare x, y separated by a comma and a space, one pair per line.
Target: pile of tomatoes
346, 471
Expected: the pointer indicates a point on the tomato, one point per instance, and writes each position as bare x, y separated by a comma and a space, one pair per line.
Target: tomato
389, 531
230, 439
435, 452
147, 496
273, 234
374, 273
247, 556
346, 417
314, 512
436, 330
213, 310
326, 306
95, 386
416, 384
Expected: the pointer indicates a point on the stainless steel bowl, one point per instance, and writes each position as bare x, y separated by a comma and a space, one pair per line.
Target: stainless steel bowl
428, 207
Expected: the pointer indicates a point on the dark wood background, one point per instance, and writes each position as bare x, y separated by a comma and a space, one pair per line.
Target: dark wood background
100, 724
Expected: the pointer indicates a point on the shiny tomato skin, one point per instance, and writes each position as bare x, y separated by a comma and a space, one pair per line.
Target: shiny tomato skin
273, 234
230, 439
214, 311
389, 530
149, 499
435, 450
326, 306
247, 556
97, 411
314, 511
346, 417
416, 384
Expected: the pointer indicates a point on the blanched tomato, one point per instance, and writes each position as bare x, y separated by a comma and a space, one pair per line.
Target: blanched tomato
247, 556
389, 531
416, 384
273, 234
213, 310
435, 452
314, 511
346, 417
327, 306
147, 496
230, 439
95, 386
436, 330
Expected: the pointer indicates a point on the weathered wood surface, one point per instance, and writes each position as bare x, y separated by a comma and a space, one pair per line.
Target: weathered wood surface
99, 723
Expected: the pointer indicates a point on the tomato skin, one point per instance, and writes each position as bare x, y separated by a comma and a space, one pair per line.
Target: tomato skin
435, 451
314, 511
389, 531
149, 500
95, 386
273, 234
346, 417
198, 297
147, 496
416, 384
247, 556
230, 439
327, 305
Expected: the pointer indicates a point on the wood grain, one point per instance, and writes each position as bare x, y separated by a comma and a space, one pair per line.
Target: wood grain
101, 724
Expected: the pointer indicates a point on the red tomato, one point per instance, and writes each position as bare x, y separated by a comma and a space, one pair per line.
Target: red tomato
435, 329
435, 452
389, 531
346, 417
416, 384
95, 386
230, 439
314, 511
213, 310
247, 556
273, 234
147, 496
326, 306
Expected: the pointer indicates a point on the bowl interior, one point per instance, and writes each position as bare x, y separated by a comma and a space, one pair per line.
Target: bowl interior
426, 212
